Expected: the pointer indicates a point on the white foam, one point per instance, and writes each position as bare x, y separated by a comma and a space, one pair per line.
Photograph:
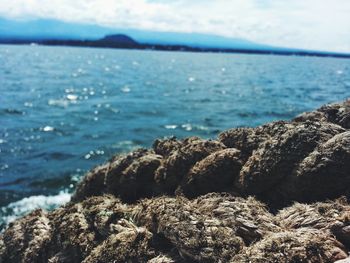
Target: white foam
171, 127
125, 89
187, 126
72, 97
48, 129
59, 103
28, 204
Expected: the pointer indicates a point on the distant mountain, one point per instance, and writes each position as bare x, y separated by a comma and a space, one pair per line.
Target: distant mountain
59, 33
55, 29
119, 38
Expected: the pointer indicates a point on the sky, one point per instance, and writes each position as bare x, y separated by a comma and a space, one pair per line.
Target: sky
308, 24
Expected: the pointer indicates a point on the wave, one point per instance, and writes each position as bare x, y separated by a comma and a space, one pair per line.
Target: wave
21, 207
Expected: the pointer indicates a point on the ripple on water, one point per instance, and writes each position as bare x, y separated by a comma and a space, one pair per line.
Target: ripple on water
125, 89
151, 95
47, 129
170, 127
58, 103
72, 97
13, 111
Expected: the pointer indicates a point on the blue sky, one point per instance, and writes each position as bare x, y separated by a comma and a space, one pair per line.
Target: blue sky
308, 24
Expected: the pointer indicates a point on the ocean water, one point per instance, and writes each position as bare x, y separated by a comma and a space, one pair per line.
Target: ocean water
64, 110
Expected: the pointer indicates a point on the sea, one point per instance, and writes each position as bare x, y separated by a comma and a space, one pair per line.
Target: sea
64, 110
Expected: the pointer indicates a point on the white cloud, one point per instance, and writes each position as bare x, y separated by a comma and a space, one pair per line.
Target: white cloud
311, 24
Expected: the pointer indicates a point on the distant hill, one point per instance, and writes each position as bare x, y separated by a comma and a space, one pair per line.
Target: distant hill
119, 38
55, 29
58, 33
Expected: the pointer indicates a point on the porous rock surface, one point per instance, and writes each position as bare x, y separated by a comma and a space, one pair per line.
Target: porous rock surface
274, 193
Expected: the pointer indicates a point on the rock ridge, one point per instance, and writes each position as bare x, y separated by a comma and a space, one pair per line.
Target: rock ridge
274, 193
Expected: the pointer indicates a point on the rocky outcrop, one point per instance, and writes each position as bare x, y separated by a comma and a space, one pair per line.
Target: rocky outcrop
211, 228
338, 113
274, 193
278, 162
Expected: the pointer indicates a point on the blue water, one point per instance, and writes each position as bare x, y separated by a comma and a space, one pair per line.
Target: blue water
64, 110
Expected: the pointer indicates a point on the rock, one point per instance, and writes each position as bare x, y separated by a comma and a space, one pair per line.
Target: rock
277, 157
338, 113
93, 183
347, 260
167, 146
244, 139
196, 237
216, 172
326, 171
248, 139
320, 215
211, 228
249, 218
341, 228
26, 240
130, 244
190, 201
129, 177
137, 180
181, 160
293, 246
115, 176
79, 228
332, 217
162, 259
278, 162
2, 249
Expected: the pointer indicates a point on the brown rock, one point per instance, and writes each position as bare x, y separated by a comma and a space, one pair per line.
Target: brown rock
303, 245
326, 171
248, 139
276, 158
162, 259
26, 240
137, 180
166, 146
346, 260
338, 113
320, 215
216, 172
306, 160
180, 161
129, 244
92, 184
196, 237
248, 218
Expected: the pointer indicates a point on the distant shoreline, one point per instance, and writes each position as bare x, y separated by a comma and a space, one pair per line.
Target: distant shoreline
161, 47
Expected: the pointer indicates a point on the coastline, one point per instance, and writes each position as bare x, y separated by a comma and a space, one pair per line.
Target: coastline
166, 204
178, 48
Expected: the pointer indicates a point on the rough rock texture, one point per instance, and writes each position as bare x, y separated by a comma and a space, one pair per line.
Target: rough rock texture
278, 162
320, 215
274, 193
338, 113
195, 236
26, 239
302, 245
221, 167
211, 228
326, 171
249, 218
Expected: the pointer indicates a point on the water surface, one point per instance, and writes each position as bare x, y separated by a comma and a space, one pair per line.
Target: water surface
64, 110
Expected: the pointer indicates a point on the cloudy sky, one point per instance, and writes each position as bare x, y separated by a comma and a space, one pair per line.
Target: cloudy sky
309, 24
